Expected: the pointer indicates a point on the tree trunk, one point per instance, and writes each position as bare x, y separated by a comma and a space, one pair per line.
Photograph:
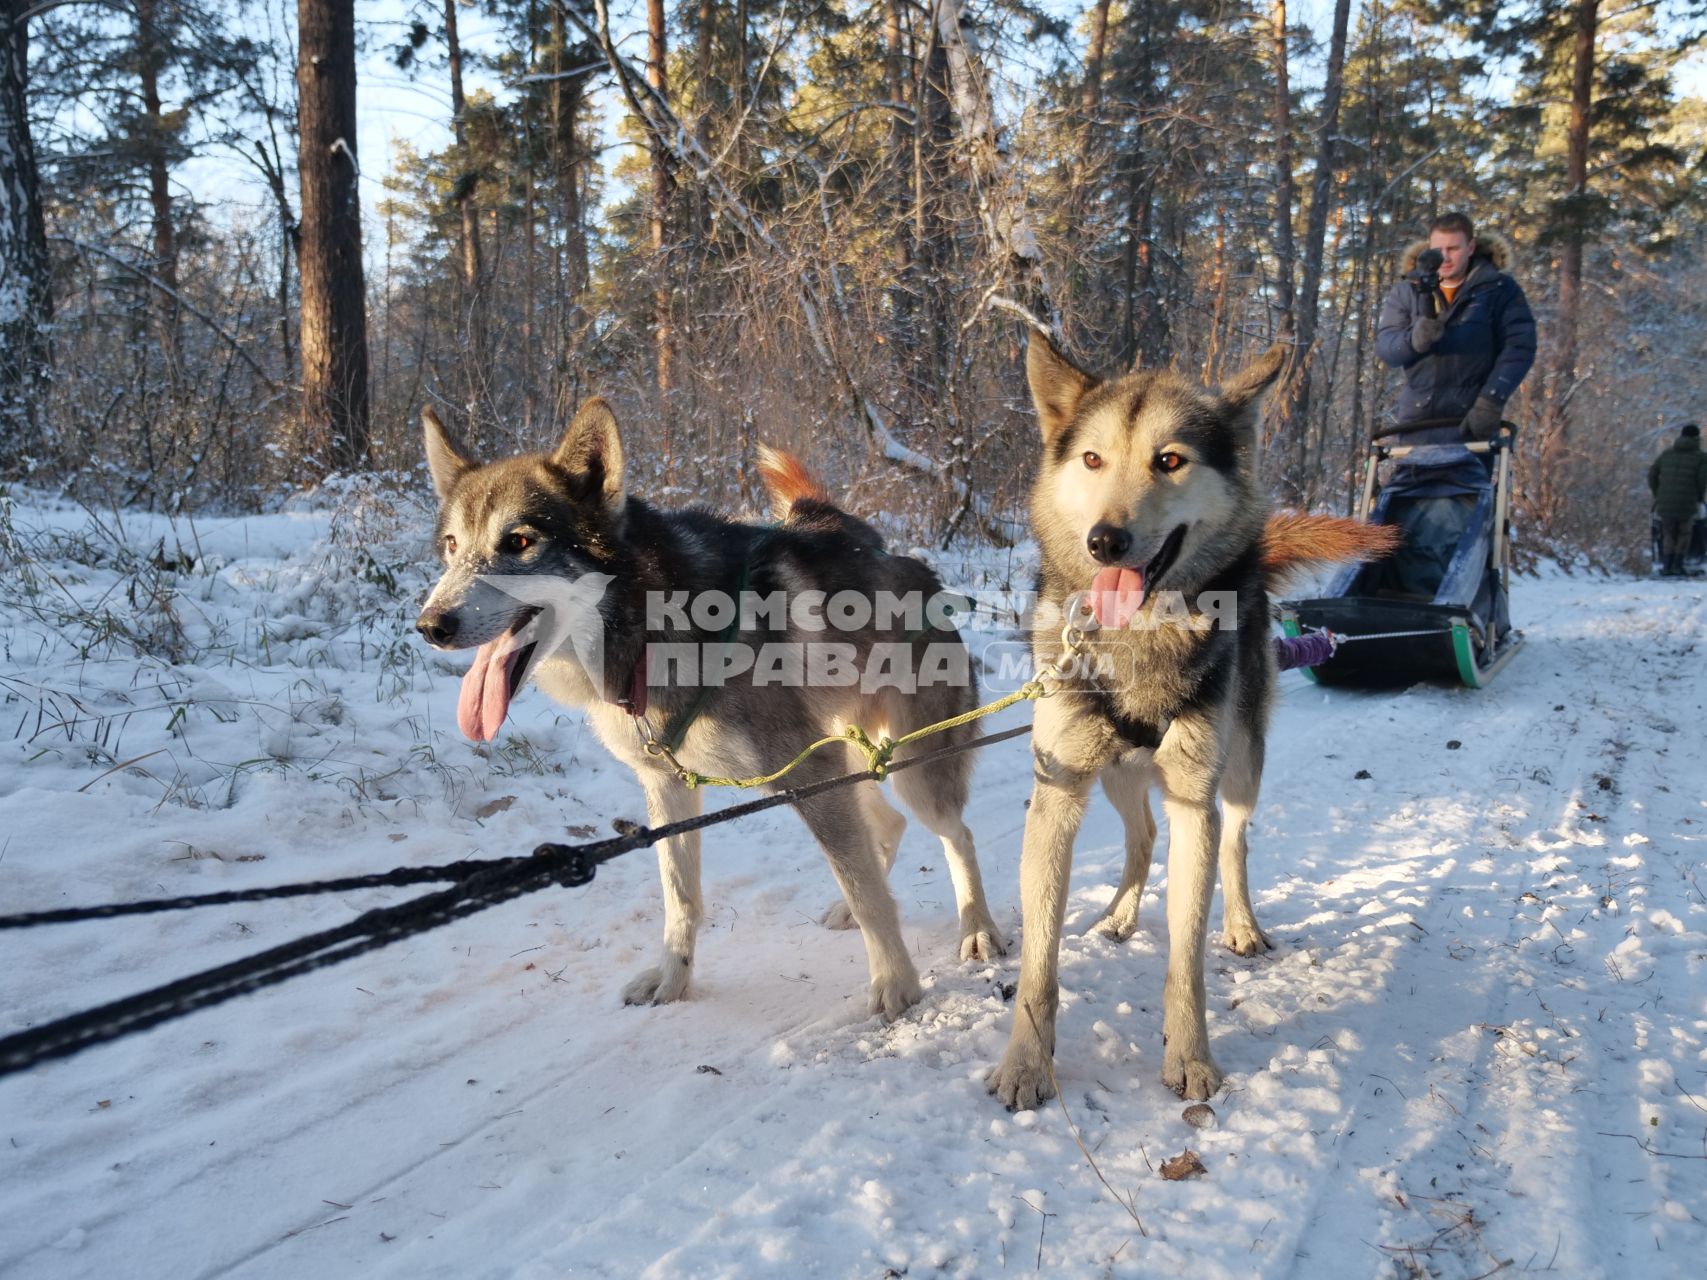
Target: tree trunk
1088, 184
530, 214
272, 166
902, 292
566, 166
476, 363
664, 338
26, 298
703, 49
931, 233
1218, 291
150, 59
1141, 340
466, 179
1001, 198
1585, 23
334, 426
1285, 194
741, 93
1090, 93
1294, 400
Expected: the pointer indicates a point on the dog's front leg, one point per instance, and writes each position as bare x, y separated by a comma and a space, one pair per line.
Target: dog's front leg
1190, 774
1058, 799
678, 863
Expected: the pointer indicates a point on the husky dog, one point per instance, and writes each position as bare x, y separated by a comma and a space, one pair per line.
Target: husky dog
566, 521
1148, 497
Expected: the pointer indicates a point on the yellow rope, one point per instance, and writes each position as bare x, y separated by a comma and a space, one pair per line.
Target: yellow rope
877, 754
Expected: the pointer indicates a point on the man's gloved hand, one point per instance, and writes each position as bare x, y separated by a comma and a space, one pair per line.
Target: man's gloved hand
1484, 418
1425, 332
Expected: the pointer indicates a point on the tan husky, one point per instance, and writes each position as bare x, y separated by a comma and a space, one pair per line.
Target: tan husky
1147, 504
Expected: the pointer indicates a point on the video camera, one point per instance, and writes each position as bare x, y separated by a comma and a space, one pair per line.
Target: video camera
1425, 276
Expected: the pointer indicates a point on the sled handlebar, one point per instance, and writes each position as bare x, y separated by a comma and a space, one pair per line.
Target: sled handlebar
1506, 431
1469, 446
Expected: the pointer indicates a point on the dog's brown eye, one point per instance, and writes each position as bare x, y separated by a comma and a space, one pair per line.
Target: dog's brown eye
1093, 461
516, 543
1170, 461
450, 546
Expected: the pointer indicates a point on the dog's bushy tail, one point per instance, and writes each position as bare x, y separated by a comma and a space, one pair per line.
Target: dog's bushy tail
789, 481
1293, 542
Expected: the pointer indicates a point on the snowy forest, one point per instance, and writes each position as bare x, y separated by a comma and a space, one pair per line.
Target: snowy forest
1460, 1029
825, 226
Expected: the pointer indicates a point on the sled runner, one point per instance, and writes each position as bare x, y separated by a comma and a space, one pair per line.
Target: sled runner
1436, 609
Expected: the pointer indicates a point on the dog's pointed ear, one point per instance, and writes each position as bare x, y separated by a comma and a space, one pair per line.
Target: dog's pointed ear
592, 447
1057, 384
1244, 391
446, 463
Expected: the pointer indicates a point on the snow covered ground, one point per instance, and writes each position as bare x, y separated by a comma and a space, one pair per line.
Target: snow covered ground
1480, 1044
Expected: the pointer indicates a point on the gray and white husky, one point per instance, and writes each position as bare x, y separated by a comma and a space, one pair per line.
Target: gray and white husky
554, 572
1147, 507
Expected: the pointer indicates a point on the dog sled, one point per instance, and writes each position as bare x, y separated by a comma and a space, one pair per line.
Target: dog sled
1436, 610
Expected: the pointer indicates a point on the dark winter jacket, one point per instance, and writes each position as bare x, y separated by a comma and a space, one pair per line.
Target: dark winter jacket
1678, 479
1488, 346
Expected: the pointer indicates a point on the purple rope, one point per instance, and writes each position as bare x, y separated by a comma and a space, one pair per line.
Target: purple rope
1303, 651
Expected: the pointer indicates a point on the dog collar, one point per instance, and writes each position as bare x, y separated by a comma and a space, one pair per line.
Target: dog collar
635, 702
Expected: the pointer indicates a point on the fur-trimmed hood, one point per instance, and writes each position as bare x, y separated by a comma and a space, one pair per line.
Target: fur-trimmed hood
1495, 248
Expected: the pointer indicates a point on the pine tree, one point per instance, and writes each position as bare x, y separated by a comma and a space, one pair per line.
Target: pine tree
334, 425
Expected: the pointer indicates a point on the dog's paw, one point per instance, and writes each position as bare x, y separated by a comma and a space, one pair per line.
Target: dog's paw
1246, 938
894, 995
981, 941
663, 985
1021, 1082
1119, 922
839, 916
1195, 1079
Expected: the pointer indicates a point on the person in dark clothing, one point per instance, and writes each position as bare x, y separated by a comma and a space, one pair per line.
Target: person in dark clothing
1465, 345
1459, 328
1678, 481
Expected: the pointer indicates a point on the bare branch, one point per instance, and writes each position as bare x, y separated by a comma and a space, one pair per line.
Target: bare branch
155, 282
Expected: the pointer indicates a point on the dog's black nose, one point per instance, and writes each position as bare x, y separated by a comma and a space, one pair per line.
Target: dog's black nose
437, 625
1108, 542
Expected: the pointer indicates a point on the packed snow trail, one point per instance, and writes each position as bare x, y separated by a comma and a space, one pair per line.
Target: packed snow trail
1482, 1036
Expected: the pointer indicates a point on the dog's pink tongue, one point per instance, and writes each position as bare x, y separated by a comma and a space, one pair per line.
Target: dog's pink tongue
1116, 594
485, 697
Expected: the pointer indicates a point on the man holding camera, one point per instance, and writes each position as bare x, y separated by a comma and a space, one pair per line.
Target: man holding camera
1461, 330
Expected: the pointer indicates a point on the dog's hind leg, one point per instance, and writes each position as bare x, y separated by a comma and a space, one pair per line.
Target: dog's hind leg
936, 793
838, 821
887, 824
1239, 786
678, 864
1127, 785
